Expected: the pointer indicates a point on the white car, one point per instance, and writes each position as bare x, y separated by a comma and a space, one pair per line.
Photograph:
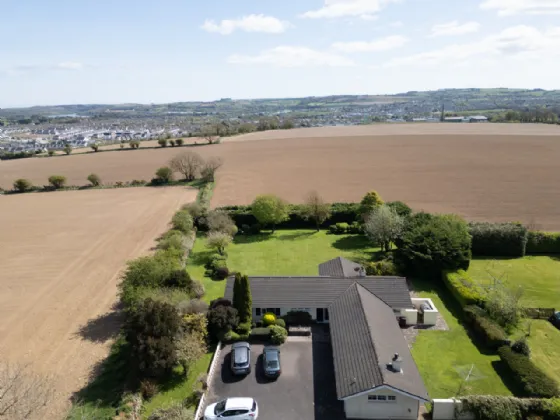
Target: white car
233, 408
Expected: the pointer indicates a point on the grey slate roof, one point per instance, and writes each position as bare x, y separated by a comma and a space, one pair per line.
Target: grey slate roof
365, 336
305, 292
339, 267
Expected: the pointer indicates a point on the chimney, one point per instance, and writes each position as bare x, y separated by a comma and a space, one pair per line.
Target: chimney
396, 363
362, 272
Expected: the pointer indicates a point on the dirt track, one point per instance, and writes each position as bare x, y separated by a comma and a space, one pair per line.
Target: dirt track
492, 176
61, 257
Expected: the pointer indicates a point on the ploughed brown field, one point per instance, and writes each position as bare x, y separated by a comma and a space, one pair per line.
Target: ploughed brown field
495, 172
61, 257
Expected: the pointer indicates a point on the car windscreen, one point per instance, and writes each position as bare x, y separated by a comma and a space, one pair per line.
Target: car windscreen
272, 364
240, 357
220, 407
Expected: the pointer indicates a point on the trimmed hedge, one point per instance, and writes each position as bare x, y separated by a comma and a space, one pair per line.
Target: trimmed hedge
533, 381
491, 407
298, 318
543, 243
498, 239
463, 288
489, 333
260, 334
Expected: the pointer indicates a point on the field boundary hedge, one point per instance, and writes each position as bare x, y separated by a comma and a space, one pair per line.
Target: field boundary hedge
485, 407
464, 288
498, 239
543, 242
490, 333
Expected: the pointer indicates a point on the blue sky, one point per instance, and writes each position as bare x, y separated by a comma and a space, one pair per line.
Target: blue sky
116, 51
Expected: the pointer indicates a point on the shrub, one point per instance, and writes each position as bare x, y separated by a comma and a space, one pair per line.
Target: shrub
220, 221
190, 347
216, 260
151, 271
498, 239
269, 318
533, 381
151, 330
179, 279
400, 208
298, 318
162, 142
179, 142
173, 241
231, 336
489, 333
260, 333
51, 152
369, 203
193, 306
504, 305
57, 181
164, 175
221, 319
244, 328
543, 243
95, 147
183, 222
381, 268
148, 389
280, 322
195, 210
172, 142
135, 144
198, 290
355, 228
339, 228
220, 273
522, 347
94, 179
486, 407
174, 412
463, 288
138, 182
278, 334
23, 185
67, 149
431, 244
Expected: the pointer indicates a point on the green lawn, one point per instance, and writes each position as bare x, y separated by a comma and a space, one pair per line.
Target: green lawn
539, 277
176, 391
445, 358
286, 252
545, 344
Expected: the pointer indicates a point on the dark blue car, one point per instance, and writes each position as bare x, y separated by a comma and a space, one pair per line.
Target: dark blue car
271, 362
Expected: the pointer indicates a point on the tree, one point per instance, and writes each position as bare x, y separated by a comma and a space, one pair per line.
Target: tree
23, 394
188, 164
134, 144
370, 202
179, 142
431, 244
210, 133
57, 181
95, 147
210, 167
183, 221
270, 210
242, 299
221, 319
287, 125
503, 304
316, 209
384, 226
94, 179
164, 175
162, 142
220, 221
218, 241
67, 149
23, 185
151, 330
172, 142
190, 348
51, 152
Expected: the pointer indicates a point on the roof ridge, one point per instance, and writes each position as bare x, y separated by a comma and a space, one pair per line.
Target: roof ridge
358, 287
363, 287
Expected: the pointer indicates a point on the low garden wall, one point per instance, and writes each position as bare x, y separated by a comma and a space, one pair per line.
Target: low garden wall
212, 369
446, 409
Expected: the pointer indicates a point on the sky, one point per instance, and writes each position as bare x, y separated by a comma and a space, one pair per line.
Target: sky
147, 51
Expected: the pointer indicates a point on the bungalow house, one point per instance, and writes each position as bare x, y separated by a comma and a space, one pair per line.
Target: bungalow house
376, 376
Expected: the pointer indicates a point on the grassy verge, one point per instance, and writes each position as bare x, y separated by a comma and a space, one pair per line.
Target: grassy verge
539, 276
285, 252
545, 343
445, 358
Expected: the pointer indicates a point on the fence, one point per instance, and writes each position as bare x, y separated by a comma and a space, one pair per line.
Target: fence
202, 403
539, 313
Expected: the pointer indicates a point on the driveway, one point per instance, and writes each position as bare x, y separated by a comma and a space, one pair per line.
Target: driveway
305, 390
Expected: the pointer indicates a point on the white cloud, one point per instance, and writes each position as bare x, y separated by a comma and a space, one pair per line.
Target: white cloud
250, 23
396, 24
69, 65
290, 56
381, 44
518, 42
454, 28
364, 9
515, 7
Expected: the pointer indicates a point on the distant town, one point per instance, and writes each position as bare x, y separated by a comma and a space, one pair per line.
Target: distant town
39, 129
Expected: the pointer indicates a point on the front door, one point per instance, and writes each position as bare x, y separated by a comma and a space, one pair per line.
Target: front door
320, 315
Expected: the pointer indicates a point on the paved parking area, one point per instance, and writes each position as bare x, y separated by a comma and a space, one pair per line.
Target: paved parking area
305, 390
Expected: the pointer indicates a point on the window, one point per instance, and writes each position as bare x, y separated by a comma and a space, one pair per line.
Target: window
392, 398
275, 311
372, 397
258, 311
326, 314
381, 398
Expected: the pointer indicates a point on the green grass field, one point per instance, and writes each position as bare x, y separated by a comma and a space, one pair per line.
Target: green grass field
538, 276
545, 347
445, 358
286, 252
